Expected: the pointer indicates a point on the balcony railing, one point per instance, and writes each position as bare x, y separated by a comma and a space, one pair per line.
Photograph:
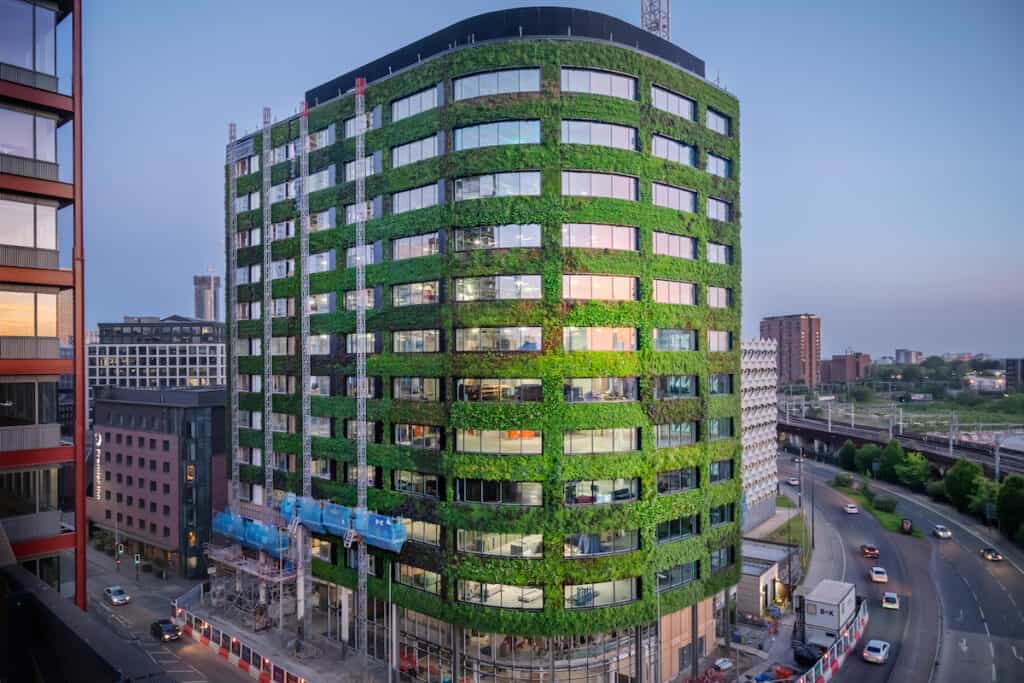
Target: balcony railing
28, 257
33, 79
32, 168
29, 347
29, 437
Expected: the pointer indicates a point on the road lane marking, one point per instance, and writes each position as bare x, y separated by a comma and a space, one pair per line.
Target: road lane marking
1015, 655
980, 611
987, 632
963, 645
993, 671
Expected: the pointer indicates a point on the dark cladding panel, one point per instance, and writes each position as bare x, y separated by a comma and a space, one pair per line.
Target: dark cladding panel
528, 22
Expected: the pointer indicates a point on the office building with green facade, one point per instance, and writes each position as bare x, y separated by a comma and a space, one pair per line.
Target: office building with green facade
553, 290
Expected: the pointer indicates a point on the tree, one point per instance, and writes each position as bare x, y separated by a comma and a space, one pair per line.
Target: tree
936, 490
861, 394
933, 363
866, 456
847, 456
984, 498
892, 457
912, 373
1010, 505
961, 482
914, 471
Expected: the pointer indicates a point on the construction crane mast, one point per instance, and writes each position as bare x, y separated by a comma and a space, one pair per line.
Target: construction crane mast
232, 289
655, 17
267, 315
302, 550
361, 210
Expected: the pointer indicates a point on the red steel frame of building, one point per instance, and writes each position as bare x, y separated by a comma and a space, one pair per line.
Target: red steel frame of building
78, 270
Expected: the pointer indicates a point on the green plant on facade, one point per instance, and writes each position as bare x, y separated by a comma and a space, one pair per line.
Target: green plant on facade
552, 416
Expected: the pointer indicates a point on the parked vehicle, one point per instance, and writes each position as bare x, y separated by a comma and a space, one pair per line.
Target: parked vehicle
870, 550
879, 575
807, 655
793, 481
164, 630
876, 651
116, 595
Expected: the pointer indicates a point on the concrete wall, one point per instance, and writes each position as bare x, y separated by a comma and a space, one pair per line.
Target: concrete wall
758, 513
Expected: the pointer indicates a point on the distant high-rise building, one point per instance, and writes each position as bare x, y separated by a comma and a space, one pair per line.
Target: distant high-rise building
758, 385
1014, 368
151, 352
207, 297
848, 367
799, 346
908, 357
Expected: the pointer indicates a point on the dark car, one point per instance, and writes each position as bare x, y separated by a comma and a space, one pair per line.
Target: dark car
869, 550
991, 554
808, 654
165, 629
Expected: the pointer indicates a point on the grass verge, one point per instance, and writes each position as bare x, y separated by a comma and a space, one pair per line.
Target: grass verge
890, 521
784, 502
795, 532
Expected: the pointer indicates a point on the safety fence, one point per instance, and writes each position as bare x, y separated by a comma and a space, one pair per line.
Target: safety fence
828, 666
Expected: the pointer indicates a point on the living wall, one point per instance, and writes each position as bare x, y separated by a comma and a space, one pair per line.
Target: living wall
552, 416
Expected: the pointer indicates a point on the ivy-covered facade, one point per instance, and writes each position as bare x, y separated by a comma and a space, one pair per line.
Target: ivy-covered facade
547, 485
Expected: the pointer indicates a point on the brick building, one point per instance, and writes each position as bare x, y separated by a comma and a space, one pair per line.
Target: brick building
159, 470
847, 367
799, 346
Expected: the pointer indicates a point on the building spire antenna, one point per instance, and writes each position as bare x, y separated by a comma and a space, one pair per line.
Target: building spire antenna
655, 16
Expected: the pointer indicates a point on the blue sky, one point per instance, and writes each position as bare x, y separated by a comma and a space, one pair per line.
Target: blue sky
880, 144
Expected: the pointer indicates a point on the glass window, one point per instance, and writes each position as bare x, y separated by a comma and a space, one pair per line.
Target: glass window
416, 198
719, 340
369, 297
417, 483
719, 166
604, 594
420, 579
719, 384
677, 198
353, 211
415, 246
416, 341
499, 441
501, 595
719, 210
672, 292
590, 441
521, 183
505, 339
719, 297
677, 529
601, 491
423, 437
599, 338
497, 133
354, 342
720, 123
503, 492
667, 100
721, 470
587, 184
352, 168
594, 133
370, 255
610, 542
598, 83
369, 387
679, 575
600, 389
723, 514
515, 545
28, 314
416, 294
498, 287
497, 237
415, 388
675, 340
411, 152
673, 150
596, 236
676, 434
25, 224
675, 481
498, 390
419, 531
719, 253
719, 428
411, 105
496, 82
667, 387
16, 36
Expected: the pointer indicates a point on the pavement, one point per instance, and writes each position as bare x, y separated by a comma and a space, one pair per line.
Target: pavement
765, 528
184, 660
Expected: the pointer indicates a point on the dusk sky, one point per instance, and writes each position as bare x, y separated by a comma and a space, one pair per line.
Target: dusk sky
881, 148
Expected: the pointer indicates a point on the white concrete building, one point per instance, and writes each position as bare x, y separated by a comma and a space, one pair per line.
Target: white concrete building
759, 384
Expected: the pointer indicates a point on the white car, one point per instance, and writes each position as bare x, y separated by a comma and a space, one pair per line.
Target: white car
723, 664
890, 600
793, 481
850, 509
942, 532
879, 575
116, 596
876, 651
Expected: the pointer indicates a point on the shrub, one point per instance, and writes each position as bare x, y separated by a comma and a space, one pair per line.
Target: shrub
936, 490
842, 480
868, 493
884, 504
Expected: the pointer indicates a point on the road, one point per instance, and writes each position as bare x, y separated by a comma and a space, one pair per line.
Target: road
185, 660
981, 603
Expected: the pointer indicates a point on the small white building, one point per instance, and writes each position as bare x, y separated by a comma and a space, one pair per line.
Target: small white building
758, 385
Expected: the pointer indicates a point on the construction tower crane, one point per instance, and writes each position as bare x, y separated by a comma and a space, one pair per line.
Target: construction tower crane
655, 17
